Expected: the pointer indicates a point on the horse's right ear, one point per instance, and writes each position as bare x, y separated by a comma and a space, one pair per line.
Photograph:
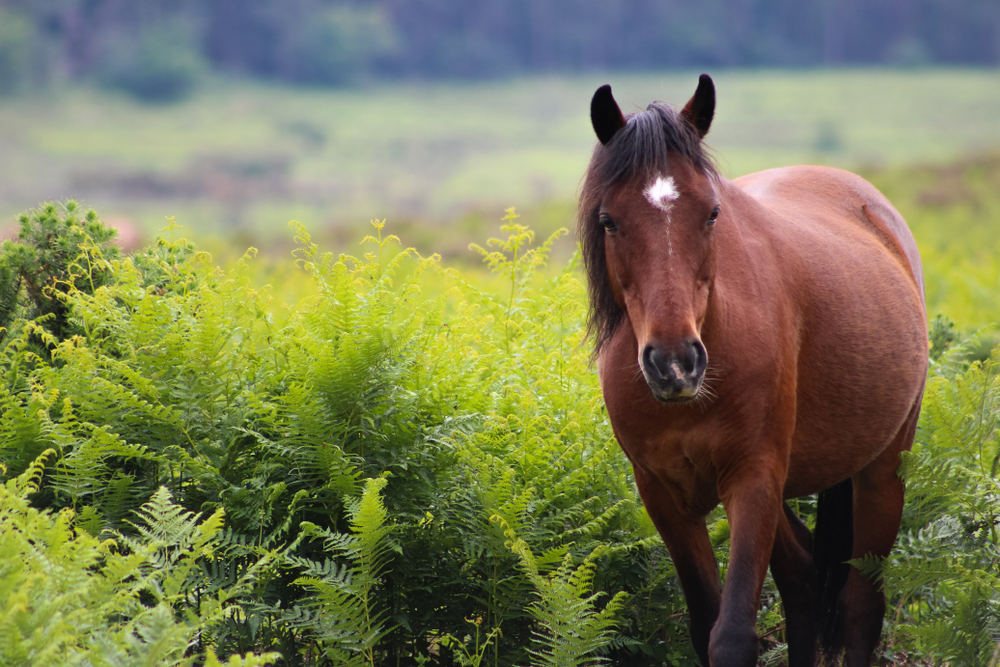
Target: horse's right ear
605, 115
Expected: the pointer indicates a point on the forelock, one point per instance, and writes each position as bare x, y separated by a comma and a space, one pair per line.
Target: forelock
641, 147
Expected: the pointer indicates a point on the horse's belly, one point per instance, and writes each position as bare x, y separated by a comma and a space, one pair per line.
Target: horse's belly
860, 372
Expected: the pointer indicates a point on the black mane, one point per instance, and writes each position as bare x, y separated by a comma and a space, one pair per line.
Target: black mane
638, 149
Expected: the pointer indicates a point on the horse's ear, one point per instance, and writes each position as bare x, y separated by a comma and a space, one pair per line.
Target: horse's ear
605, 115
701, 108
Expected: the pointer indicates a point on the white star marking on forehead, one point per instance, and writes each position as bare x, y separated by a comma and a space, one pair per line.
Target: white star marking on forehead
662, 192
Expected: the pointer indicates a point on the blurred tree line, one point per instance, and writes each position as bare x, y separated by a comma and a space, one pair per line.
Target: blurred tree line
156, 49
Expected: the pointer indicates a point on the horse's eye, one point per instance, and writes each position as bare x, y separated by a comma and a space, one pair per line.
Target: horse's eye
713, 217
608, 223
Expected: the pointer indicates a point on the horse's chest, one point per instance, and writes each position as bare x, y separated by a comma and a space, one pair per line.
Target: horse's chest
674, 442
675, 452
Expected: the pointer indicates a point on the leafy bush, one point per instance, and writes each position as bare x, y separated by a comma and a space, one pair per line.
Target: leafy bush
70, 598
403, 468
478, 413
56, 252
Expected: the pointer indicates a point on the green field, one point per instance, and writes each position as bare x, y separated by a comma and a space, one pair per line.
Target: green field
246, 158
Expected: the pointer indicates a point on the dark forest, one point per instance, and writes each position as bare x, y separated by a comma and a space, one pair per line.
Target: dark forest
338, 43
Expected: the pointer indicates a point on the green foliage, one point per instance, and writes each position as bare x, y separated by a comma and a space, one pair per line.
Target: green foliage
941, 334
402, 467
570, 630
518, 268
471, 651
70, 598
59, 249
347, 624
182, 392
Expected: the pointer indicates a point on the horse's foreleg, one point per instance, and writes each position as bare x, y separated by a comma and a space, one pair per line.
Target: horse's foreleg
753, 503
691, 551
794, 573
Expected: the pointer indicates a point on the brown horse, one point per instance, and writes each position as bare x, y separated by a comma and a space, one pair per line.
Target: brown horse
757, 340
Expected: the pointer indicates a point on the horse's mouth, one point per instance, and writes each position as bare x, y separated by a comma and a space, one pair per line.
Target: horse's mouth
676, 399
673, 393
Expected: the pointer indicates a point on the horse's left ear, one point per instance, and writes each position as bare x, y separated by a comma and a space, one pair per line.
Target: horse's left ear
700, 109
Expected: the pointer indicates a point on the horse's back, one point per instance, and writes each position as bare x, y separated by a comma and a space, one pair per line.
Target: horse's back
839, 195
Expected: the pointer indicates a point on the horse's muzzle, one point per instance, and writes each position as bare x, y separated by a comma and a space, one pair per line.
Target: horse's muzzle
674, 375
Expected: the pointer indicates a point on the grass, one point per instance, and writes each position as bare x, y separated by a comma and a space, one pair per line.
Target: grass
244, 158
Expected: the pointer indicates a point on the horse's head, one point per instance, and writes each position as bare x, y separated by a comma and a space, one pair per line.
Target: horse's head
647, 216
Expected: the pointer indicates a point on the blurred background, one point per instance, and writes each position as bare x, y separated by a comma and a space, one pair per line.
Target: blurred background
235, 116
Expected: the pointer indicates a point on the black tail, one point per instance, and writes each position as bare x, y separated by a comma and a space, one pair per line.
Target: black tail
833, 541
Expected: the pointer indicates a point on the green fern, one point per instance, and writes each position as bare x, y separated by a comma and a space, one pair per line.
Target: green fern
348, 626
187, 392
68, 598
571, 630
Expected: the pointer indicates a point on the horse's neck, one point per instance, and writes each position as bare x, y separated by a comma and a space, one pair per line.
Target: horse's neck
750, 256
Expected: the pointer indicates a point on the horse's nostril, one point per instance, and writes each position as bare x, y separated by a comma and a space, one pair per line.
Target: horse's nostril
655, 359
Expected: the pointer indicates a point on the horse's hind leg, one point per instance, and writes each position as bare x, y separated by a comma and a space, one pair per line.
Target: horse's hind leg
794, 573
878, 508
